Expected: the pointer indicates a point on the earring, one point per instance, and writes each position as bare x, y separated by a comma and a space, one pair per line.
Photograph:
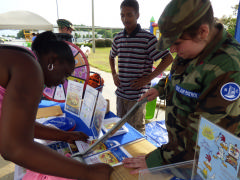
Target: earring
50, 67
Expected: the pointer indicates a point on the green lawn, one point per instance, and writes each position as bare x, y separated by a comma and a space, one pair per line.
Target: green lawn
100, 59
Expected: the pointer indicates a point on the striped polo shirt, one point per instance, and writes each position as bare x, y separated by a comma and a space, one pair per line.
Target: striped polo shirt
136, 53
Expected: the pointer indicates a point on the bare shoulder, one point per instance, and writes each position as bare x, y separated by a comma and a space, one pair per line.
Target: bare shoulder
21, 72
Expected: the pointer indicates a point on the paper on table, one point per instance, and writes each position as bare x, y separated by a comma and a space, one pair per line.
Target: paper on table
82, 146
113, 156
110, 122
49, 111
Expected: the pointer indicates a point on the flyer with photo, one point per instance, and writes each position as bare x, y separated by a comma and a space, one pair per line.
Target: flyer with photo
108, 144
110, 122
74, 97
219, 152
113, 156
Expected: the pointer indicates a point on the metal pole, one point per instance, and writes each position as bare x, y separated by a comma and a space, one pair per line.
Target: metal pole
57, 9
93, 33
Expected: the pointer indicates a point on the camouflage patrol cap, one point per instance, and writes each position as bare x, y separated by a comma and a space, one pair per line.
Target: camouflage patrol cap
65, 23
177, 17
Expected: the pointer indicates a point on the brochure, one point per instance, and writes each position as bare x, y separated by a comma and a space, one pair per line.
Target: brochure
98, 116
108, 152
219, 152
108, 144
88, 105
113, 157
63, 147
110, 122
74, 97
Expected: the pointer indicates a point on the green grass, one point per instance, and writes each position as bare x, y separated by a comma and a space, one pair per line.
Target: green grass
100, 59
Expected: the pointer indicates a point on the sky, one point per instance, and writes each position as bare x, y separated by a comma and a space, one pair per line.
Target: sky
106, 12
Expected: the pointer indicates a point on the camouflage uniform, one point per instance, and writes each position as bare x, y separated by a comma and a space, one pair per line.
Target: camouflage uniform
197, 87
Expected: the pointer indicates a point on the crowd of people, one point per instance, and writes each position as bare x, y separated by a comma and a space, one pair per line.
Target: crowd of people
207, 63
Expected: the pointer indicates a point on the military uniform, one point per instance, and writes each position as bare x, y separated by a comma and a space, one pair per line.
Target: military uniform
208, 86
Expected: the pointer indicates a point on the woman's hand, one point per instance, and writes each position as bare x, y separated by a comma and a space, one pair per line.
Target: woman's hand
72, 136
137, 163
151, 94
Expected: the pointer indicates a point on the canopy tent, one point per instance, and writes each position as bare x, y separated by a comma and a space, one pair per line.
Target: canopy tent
23, 20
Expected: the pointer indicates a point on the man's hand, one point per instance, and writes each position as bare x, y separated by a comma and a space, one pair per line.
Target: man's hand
116, 80
140, 82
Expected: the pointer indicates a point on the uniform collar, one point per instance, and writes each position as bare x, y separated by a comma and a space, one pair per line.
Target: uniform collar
135, 31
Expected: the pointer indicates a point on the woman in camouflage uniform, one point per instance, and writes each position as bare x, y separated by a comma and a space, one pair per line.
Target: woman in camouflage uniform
204, 80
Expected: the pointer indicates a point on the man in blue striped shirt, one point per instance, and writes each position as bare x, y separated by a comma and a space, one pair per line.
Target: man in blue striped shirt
136, 51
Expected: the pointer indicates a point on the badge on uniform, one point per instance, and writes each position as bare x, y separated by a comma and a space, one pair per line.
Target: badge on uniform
230, 91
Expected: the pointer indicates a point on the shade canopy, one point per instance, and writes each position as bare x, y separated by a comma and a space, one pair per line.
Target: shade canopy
23, 20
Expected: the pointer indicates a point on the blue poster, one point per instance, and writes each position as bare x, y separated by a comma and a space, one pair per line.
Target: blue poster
219, 152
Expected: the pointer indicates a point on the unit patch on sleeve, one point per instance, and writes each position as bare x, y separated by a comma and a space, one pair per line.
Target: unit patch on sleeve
230, 91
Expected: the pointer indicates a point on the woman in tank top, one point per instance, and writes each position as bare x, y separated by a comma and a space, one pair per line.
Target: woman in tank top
22, 79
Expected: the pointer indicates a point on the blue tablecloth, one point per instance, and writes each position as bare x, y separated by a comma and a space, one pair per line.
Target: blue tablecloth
132, 135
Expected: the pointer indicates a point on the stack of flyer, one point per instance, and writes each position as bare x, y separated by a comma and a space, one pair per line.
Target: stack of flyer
109, 152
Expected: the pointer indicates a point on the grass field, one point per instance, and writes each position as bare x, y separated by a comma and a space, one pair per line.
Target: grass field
100, 59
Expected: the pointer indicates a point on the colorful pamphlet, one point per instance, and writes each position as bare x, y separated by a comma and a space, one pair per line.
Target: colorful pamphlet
74, 97
63, 147
113, 157
219, 152
108, 144
110, 122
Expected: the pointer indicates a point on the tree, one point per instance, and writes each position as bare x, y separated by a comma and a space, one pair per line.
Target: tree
230, 22
77, 35
20, 34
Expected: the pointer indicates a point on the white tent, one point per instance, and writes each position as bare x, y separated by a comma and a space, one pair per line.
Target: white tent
23, 20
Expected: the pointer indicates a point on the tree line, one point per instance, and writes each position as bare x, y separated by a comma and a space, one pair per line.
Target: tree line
229, 23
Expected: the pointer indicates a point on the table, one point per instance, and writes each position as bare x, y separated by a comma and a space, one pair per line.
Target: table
132, 135
133, 141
